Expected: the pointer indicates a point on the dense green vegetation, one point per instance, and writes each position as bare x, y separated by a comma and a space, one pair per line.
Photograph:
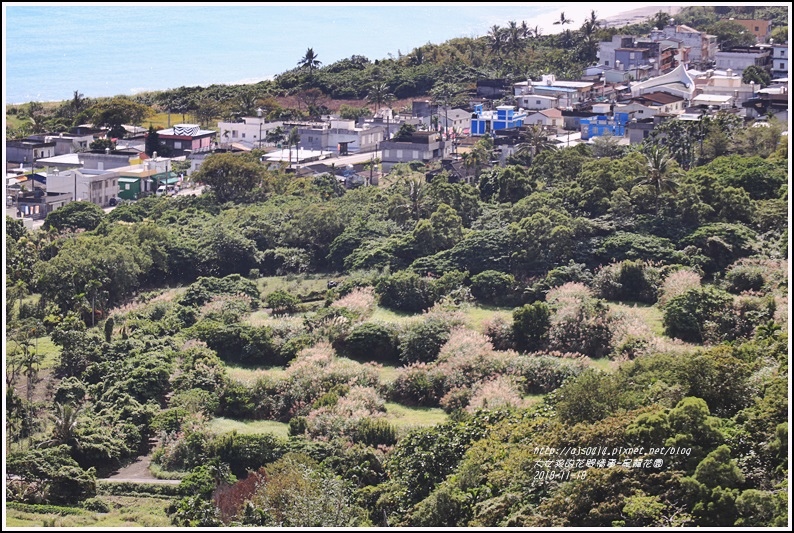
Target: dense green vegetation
605, 306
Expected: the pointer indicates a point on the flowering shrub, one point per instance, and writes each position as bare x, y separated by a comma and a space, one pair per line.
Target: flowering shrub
631, 336
579, 323
495, 393
346, 415
568, 293
500, 333
469, 357
677, 283
541, 374
417, 384
361, 301
227, 308
314, 372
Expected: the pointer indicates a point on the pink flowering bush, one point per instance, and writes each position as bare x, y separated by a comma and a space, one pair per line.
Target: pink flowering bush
344, 417
361, 301
315, 371
495, 393
677, 283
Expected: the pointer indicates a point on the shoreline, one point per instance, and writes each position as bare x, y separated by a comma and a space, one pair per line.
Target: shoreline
630, 16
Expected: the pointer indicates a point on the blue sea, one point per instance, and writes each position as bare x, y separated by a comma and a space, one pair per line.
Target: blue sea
106, 50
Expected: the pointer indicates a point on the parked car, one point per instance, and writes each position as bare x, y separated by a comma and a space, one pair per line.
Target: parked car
169, 190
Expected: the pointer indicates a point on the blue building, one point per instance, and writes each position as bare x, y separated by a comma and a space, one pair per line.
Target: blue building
505, 117
602, 124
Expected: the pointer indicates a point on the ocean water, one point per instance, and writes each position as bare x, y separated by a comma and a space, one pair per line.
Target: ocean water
104, 50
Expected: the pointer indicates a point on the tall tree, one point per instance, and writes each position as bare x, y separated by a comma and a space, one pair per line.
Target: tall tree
310, 62
379, 94
232, 176
293, 138
660, 171
563, 19
534, 140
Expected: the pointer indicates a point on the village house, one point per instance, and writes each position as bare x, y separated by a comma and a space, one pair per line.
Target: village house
741, 57
424, 146
88, 185
183, 139
569, 93
24, 152
536, 102
762, 29
780, 61
702, 46
505, 117
548, 118
251, 133
338, 136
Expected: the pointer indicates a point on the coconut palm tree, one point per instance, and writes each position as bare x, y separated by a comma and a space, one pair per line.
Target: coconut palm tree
563, 19
379, 94
534, 141
293, 138
660, 171
310, 61
496, 39
65, 418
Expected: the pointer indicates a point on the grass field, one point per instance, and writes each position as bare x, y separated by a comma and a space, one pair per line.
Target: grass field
382, 314
297, 285
650, 314
248, 427
249, 376
405, 418
44, 346
125, 512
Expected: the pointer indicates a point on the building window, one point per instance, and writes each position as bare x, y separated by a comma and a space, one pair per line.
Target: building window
781, 66
178, 145
537, 102
606, 63
756, 28
242, 136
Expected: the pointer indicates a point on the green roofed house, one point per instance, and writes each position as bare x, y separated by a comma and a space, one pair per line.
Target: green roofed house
129, 188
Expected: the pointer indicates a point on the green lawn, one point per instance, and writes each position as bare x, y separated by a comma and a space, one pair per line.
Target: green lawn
477, 315
387, 374
125, 512
249, 376
298, 285
650, 314
45, 347
248, 427
382, 314
406, 418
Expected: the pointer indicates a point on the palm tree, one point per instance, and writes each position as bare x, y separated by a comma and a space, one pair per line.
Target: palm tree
379, 94
65, 418
563, 20
660, 19
513, 37
660, 169
590, 42
294, 138
534, 141
496, 39
309, 61
275, 136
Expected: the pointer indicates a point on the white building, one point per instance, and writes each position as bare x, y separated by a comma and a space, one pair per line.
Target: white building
536, 102
739, 59
702, 46
95, 186
250, 133
780, 61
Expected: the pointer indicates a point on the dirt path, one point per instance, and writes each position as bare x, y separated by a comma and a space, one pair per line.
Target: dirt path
138, 472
